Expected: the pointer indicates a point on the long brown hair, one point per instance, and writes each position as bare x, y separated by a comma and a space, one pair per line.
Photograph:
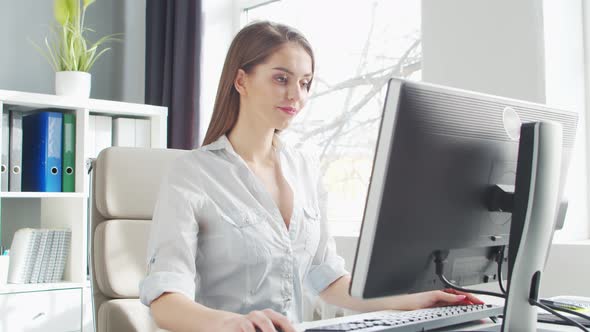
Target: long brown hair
250, 47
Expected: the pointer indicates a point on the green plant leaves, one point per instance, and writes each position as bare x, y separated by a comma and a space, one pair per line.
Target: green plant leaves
69, 49
66, 10
61, 11
87, 3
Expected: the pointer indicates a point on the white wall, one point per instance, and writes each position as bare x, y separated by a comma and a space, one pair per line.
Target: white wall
21, 66
528, 49
133, 51
567, 270
118, 75
492, 46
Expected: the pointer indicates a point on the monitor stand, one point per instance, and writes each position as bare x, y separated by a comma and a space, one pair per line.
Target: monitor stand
533, 217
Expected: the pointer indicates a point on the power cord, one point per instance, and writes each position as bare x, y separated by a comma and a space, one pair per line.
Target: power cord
499, 261
569, 311
556, 313
448, 284
440, 260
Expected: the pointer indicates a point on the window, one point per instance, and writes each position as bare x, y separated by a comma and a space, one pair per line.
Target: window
360, 46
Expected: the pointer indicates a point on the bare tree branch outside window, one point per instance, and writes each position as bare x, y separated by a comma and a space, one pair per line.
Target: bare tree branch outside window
346, 130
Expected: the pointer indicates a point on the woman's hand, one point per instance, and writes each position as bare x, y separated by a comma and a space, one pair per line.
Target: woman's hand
442, 298
337, 294
178, 312
266, 320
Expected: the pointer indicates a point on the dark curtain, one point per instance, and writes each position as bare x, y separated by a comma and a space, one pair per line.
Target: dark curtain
172, 66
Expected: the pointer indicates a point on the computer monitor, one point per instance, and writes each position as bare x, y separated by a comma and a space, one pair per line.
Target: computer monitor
439, 155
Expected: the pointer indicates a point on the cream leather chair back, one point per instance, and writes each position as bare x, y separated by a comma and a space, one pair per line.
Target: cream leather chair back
125, 186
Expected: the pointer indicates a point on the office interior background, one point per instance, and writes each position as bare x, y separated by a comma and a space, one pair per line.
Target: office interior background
535, 50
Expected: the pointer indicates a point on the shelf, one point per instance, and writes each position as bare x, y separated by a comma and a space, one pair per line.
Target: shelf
27, 288
37, 100
67, 210
5, 194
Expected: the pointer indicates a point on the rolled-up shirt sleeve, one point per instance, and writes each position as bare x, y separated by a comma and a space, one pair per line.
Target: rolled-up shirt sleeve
172, 245
327, 266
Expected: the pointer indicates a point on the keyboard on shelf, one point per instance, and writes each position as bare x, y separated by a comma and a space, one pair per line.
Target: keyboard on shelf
416, 320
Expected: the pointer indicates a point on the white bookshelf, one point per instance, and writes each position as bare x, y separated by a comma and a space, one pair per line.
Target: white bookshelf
66, 210
28, 288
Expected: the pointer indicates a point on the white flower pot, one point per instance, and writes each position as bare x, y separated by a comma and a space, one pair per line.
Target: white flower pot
72, 83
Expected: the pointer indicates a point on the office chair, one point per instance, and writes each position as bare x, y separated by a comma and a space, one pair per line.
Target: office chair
125, 183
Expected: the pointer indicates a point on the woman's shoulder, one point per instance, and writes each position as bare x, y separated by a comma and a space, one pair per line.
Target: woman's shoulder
194, 164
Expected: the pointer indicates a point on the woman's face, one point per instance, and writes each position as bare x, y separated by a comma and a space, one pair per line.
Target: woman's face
275, 91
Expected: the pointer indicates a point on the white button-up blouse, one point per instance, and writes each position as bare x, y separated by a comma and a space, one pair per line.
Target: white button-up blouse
219, 238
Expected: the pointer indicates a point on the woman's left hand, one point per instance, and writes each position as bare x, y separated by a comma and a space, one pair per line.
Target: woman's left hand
442, 298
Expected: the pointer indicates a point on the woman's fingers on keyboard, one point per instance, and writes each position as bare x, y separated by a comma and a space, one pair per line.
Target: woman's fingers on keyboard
261, 321
280, 321
269, 321
469, 298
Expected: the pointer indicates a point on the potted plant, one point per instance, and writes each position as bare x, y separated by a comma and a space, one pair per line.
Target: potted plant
70, 53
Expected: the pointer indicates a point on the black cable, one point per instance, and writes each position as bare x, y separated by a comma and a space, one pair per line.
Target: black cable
448, 284
569, 311
554, 312
439, 260
500, 260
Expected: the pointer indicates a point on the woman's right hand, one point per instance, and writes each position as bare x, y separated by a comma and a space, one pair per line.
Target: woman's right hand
266, 320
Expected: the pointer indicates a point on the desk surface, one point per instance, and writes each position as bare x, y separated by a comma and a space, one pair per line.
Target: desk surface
471, 326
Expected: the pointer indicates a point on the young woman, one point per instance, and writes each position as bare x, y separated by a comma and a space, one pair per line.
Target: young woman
236, 234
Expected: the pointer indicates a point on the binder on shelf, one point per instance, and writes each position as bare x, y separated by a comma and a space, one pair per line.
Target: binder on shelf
90, 135
104, 133
143, 135
4, 166
68, 153
42, 135
124, 132
16, 150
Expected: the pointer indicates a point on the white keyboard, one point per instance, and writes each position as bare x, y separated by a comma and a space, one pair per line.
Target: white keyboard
416, 320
